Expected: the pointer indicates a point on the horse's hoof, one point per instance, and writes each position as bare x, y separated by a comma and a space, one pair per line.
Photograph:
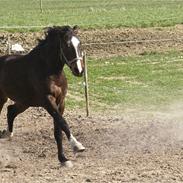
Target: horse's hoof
78, 148
5, 134
67, 164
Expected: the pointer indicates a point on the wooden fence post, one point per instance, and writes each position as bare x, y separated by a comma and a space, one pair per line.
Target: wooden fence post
86, 84
41, 5
9, 45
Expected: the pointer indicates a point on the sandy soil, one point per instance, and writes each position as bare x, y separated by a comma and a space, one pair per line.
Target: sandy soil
124, 146
135, 146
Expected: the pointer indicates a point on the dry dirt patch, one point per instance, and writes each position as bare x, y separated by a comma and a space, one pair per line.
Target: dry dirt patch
134, 146
155, 40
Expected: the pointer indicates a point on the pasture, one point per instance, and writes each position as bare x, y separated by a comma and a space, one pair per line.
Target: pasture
135, 68
130, 82
92, 14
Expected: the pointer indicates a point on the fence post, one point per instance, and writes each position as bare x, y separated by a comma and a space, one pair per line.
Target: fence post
86, 84
41, 5
9, 45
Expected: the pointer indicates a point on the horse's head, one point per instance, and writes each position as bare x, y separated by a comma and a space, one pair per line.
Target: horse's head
70, 50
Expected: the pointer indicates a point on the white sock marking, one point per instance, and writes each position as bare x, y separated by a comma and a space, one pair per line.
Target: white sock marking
11, 134
75, 144
73, 141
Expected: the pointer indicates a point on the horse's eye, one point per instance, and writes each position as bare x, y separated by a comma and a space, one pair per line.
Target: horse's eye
69, 43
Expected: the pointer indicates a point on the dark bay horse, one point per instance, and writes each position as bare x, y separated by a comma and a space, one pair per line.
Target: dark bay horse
37, 80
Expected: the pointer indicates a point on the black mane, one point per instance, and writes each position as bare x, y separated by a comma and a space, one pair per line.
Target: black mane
52, 32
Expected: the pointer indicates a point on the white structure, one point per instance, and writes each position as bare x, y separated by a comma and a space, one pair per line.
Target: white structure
17, 48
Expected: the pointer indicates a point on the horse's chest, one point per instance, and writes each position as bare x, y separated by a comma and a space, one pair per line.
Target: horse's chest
55, 90
57, 86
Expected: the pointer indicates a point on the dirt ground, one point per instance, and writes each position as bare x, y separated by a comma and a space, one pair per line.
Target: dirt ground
111, 42
129, 145
135, 146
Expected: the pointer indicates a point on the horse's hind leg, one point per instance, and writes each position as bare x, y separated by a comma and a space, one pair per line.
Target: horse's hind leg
76, 145
12, 112
3, 100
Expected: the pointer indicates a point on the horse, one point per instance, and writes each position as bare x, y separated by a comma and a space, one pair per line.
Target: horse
37, 79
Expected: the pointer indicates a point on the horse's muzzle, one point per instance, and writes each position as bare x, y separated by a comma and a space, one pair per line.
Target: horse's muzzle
76, 72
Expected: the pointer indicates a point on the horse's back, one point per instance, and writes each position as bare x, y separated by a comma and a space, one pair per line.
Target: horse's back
9, 59
6, 58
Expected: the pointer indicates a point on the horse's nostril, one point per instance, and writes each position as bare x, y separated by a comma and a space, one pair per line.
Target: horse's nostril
82, 71
76, 70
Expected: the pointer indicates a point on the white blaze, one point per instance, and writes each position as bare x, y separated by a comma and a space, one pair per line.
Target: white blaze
79, 66
75, 42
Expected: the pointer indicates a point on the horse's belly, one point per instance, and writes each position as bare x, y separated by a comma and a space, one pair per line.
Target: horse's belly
20, 92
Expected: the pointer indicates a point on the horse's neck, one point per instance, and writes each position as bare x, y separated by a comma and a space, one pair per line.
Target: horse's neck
50, 60
54, 63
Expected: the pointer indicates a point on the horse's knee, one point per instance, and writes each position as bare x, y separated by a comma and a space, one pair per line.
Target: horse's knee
61, 107
15, 109
64, 126
11, 110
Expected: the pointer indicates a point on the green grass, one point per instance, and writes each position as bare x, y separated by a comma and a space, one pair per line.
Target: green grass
92, 13
129, 82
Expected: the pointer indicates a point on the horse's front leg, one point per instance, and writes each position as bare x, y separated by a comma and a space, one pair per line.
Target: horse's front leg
58, 137
75, 144
59, 125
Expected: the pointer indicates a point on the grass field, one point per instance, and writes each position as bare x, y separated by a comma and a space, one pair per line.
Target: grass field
142, 81
148, 80
93, 13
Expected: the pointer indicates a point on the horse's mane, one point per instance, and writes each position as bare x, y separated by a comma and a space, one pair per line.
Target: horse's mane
51, 32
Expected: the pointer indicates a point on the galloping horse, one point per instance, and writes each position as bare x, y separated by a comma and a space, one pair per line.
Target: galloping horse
37, 80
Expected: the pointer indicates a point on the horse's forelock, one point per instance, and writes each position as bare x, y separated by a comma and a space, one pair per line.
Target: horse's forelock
51, 32
58, 30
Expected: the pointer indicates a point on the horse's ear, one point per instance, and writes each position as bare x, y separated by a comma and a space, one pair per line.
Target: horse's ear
47, 30
51, 31
76, 29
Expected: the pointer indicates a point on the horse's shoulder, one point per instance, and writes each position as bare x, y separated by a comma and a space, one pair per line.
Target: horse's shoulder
57, 85
58, 79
